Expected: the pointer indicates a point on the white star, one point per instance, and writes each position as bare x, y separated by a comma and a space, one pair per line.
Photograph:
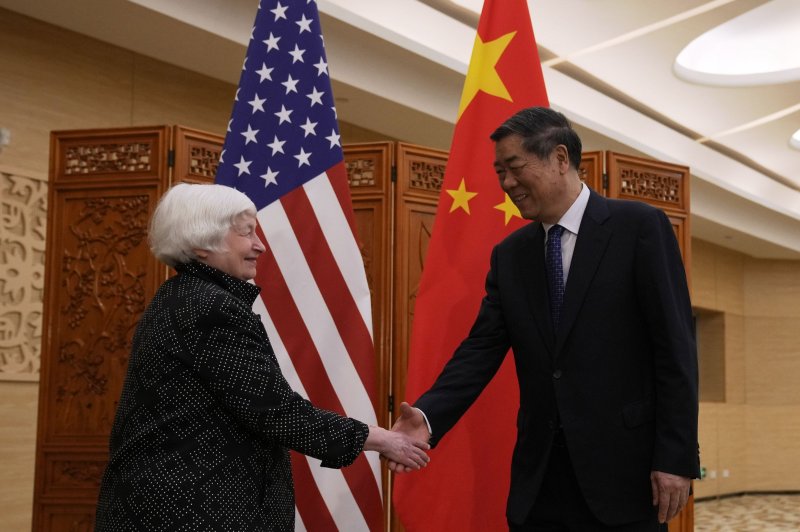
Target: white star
264, 72
297, 54
270, 178
302, 158
277, 145
315, 97
244, 63
290, 84
309, 127
249, 135
243, 166
333, 107
280, 11
283, 114
272, 42
221, 154
334, 138
322, 67
229, 125
237, 94
304, 23
257, 103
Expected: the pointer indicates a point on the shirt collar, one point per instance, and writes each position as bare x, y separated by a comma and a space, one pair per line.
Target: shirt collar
571, 220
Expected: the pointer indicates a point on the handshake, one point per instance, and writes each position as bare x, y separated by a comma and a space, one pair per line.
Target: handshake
404, 446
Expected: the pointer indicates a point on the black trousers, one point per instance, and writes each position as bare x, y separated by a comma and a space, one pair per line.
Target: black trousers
561, 507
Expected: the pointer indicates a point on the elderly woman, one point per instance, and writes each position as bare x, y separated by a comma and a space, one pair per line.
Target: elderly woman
205, 421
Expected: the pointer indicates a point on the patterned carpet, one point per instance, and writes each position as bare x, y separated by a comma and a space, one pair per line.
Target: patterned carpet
748, 513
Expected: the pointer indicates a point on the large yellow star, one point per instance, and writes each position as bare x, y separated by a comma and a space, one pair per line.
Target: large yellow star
508, 208
461, 197
482, 75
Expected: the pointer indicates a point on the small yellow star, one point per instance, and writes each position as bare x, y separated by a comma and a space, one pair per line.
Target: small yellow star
508, 208
482, 75
461, 197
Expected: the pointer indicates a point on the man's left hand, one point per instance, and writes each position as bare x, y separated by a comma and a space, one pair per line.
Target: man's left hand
670, 493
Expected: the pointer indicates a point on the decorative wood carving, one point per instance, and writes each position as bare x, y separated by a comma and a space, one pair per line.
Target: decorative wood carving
23, 217
100, 275
661, 184
108, 158
196, 155
420, 173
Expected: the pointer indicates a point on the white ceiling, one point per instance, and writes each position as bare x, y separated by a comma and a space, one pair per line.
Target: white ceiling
398, 67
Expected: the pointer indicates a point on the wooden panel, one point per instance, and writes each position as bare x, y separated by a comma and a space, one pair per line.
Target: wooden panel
369, 171
86, 156
100, 275
420, 173
67, 517
664, 185
196, 155
591, 171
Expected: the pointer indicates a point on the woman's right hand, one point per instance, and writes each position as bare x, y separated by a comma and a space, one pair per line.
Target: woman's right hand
398, 448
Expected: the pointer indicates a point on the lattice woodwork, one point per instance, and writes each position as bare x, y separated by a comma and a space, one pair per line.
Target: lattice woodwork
425, 174
23, 217
135, 152
360, 172
661, 184
196, 155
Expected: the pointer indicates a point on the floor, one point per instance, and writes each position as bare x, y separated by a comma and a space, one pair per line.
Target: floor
748, 513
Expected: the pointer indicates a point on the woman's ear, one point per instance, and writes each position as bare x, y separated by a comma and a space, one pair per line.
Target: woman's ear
200, 253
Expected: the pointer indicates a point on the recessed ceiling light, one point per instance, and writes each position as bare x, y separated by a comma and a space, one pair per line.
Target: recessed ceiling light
756, 48
794, 142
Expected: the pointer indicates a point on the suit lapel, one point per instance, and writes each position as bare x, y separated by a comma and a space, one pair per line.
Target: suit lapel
535, 280
592, 240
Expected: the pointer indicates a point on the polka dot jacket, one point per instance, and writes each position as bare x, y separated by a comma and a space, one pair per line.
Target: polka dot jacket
202, 430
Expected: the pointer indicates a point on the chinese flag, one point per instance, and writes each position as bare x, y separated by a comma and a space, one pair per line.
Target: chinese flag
466, 484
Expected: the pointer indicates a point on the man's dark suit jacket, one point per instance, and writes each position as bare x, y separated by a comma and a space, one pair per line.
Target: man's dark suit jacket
619, 376
201, 436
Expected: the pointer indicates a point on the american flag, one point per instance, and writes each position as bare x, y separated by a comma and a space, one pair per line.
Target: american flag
283, 150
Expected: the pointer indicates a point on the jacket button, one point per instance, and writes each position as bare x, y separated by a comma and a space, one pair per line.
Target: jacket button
557, 374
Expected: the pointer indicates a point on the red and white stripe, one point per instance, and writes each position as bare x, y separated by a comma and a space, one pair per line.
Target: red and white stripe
316, 309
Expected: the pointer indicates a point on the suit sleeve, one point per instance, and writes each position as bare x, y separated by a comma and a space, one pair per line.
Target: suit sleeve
229, 351
664, 298
472, 366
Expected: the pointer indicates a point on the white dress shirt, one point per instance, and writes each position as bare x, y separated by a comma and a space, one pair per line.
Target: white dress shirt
571, 222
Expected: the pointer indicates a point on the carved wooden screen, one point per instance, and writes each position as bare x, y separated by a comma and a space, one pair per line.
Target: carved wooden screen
665, 186
99, 277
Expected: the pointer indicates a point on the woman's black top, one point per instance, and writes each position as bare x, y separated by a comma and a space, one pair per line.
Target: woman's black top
202, 430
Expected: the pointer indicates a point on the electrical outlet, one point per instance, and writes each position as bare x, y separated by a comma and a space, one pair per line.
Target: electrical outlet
725, 473
712, 474
5, 137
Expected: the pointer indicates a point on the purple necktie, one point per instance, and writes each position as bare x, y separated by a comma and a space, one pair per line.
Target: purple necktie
555, 272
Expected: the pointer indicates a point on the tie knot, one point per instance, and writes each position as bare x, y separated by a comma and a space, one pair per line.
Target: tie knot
555, 232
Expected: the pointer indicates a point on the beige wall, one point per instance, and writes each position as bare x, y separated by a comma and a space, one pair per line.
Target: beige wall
754, 434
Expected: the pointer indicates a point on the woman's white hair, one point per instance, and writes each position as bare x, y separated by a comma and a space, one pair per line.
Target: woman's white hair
192, 217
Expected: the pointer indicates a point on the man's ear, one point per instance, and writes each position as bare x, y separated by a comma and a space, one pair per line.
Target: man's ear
562, 156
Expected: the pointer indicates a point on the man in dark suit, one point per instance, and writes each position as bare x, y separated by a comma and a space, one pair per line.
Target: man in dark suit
592, 299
